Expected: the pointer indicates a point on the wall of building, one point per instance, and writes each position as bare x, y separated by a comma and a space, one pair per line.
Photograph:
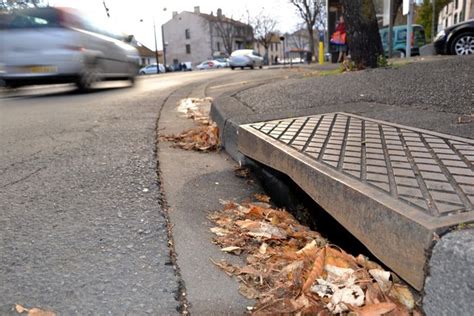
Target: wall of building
274, 50
199, 41
455, 12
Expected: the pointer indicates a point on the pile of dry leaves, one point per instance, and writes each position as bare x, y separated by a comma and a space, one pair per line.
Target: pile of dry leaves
204, 137
200, 138
292, 270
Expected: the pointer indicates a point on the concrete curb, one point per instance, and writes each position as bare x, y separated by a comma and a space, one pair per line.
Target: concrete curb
449, 287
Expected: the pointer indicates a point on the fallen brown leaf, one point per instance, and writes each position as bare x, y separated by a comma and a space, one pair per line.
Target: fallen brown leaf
33, 311
242, 172
403, 295
262, 198
229, 269
247, 291
232, 249
20, 309
202, 138
375, 309
40, 312
316, 271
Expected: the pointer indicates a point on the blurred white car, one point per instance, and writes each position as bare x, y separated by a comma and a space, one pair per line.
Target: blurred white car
60, 45
210, 64
151, 69
224, 62
245, 58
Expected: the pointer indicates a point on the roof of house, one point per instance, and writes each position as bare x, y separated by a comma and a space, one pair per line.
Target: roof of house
223, 18
144, 51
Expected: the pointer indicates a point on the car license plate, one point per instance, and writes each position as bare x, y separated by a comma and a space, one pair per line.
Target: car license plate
43, 69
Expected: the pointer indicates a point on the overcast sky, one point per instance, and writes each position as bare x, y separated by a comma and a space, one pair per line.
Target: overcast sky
127, 14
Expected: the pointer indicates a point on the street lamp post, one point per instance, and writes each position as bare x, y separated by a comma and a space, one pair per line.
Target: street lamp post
282, 40
156, 47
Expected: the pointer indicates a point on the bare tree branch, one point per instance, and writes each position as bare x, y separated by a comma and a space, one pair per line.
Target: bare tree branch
311, 11
264, 27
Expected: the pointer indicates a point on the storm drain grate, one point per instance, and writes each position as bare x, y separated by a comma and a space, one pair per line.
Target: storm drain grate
431, 172
393, 187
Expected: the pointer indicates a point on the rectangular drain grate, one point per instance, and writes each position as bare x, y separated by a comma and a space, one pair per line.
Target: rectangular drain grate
390, 185
431, 172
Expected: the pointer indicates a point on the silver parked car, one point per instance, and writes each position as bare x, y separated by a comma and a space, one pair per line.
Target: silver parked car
151, 69
245, 58
60, 45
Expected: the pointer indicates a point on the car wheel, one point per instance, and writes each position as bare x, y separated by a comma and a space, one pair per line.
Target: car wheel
252, 66
232, 67
90, 75
242, 67
133, 70
463, 44
260, 66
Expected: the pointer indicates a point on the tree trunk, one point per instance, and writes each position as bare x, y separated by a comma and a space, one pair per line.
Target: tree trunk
363, 38
311, 44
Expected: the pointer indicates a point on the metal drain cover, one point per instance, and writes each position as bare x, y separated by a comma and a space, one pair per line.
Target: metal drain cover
392, 186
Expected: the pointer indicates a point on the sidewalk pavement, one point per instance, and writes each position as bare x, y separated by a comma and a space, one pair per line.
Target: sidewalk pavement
435, 94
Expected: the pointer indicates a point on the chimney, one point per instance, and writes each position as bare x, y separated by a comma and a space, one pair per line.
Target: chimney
197, 10
175, 13
219, 13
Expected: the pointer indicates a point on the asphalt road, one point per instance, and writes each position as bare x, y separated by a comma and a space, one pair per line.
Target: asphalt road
82, 230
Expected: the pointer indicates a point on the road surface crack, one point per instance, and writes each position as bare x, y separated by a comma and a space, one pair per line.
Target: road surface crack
22, 179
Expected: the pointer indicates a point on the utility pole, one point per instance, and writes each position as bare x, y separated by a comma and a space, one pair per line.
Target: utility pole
390, 29
164, 43
408, 9
434, 27
156, 49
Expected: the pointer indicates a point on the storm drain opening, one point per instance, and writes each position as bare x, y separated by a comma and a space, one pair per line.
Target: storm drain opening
285, 193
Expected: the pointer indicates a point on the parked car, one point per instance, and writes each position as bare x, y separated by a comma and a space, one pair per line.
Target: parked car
456, 40
399, 39
245, 58
151, 69
60, 45
223, 61
184, 66
209, 64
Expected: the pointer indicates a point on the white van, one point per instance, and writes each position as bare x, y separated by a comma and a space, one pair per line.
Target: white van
59, 45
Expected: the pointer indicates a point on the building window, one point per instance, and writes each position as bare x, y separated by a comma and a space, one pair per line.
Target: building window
187, 34
456, 4
218, 46
188, 49
455, 18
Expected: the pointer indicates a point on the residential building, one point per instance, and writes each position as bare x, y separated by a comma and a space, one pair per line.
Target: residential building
297, 44
274, 50
147, 56
455, 12
195, 36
